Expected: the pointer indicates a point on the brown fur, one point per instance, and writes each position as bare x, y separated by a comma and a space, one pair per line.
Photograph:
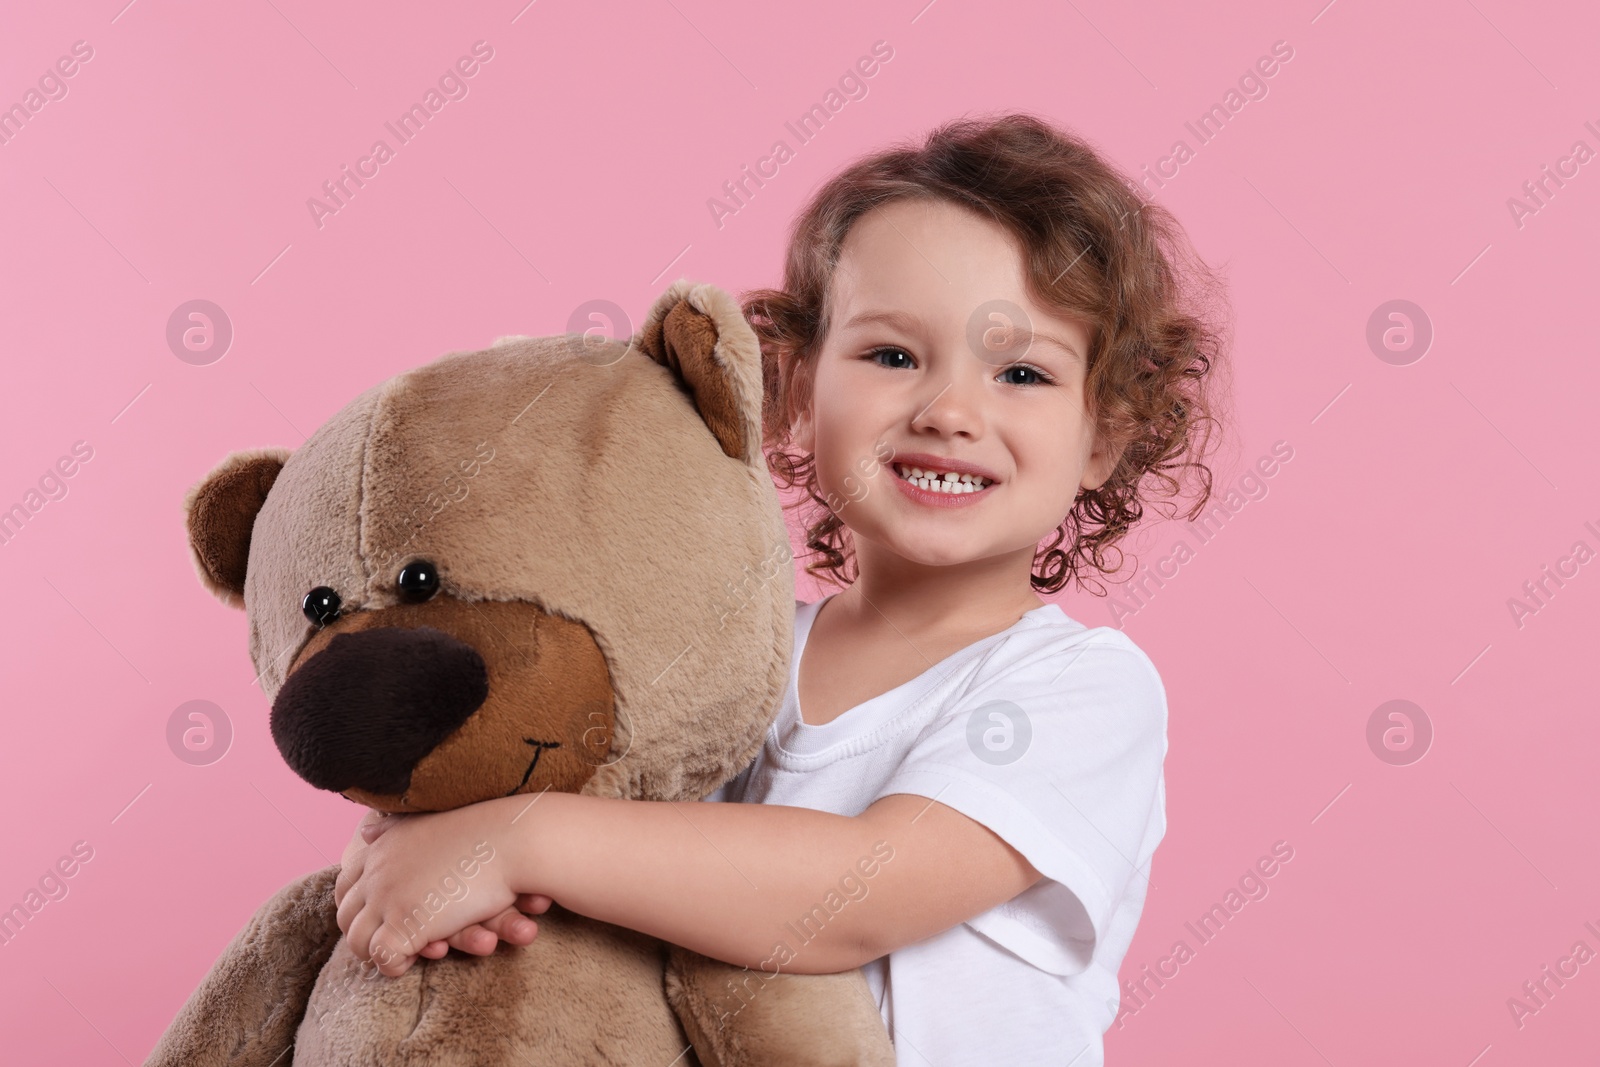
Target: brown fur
684, 341
219, 513
741, 1017
609, 542
248, 1008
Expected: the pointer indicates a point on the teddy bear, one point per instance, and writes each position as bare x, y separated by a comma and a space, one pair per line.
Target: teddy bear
555, 563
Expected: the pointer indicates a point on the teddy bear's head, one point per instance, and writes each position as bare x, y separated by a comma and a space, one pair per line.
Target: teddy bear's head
551, 564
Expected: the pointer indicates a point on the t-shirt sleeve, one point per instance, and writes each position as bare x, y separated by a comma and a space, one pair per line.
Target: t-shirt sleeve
1057, 748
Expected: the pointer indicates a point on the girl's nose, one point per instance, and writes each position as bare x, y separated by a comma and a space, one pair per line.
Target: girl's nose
953, 404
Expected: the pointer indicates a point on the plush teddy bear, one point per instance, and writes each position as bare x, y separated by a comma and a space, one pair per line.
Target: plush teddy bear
551, 564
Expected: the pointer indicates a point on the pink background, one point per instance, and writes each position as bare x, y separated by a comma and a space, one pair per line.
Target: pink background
1378, 566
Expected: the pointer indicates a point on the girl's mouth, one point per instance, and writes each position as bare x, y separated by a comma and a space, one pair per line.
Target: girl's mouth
940, 488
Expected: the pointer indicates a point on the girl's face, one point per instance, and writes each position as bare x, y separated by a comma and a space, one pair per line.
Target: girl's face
917, 361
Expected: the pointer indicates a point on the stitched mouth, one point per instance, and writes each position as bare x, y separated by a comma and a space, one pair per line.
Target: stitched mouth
539, 748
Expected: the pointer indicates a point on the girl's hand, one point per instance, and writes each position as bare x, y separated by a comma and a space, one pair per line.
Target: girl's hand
479, 939
394, 890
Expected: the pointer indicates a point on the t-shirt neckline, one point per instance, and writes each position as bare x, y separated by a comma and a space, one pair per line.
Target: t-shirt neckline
800, 737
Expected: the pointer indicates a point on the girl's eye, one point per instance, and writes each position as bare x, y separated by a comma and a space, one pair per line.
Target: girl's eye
882, 350
1039, 376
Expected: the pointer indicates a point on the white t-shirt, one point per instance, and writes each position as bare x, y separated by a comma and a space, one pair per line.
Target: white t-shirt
1050, 734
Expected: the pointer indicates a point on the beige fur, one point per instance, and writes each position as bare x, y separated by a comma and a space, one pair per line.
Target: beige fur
608, 540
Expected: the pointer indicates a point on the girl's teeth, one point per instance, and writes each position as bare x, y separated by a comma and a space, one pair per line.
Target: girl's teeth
948, 482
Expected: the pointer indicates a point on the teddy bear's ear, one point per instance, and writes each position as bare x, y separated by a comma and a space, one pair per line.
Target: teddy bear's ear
220, 511
700, 334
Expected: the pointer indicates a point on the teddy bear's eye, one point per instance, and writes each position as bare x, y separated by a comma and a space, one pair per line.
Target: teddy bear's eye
417, 581
321, 605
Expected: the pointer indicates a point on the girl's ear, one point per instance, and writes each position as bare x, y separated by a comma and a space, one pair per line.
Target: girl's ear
802, 383
802, 433
1102, 461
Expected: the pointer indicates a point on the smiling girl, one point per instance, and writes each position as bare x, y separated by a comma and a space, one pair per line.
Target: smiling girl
987, 356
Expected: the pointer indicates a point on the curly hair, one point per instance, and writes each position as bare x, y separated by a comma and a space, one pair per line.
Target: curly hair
1093, 249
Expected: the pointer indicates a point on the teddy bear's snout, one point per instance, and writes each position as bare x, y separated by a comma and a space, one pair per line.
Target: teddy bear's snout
362, 712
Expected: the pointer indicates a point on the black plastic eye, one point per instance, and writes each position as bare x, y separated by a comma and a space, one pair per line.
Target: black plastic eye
321, 605
418, 581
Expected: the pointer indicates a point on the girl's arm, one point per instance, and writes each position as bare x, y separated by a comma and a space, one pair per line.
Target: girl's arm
730, 881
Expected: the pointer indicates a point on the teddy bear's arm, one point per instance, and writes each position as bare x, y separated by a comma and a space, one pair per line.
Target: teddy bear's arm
247, 1010
736, 1017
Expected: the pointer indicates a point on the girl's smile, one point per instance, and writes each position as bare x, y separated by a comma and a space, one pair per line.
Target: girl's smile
942, 483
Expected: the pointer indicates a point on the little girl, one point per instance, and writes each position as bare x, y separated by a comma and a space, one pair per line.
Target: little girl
980, 341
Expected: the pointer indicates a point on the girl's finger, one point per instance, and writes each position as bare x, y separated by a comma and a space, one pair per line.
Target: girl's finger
348, 909
513, 927
533, 903
475, 940
481, 939
358, 930
375, 824
349, 874
387, 947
